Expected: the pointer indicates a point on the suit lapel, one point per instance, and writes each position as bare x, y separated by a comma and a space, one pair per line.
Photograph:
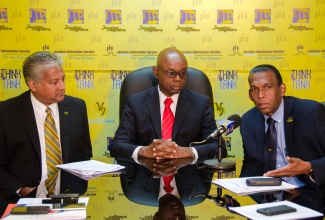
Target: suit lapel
182, 107
28, 118
64, 129
288, 121
154, 110
260, 134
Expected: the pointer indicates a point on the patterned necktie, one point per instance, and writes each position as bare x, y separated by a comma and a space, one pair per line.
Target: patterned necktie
167, 131
167, 120
270, 146
167, 180
53, 151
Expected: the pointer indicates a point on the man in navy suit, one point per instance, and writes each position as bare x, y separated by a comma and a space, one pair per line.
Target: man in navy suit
23, 167
139, 132
300, 129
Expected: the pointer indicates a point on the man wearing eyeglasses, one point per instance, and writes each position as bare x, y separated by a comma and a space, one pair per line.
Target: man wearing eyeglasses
144, 131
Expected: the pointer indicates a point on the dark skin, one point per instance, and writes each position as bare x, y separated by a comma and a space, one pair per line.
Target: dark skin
173, 60
170, 207
267, 96
166, 167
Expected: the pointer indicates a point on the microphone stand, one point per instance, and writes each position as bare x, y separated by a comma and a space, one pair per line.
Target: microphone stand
217, 163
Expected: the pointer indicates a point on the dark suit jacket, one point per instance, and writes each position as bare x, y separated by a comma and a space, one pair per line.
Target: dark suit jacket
141, 123
140, 187
20, 153
304, 125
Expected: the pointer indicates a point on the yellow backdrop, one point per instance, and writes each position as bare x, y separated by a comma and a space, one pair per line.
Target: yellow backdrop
101, 41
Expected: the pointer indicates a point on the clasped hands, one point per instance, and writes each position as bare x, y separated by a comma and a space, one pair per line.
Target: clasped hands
164, 167
165, 149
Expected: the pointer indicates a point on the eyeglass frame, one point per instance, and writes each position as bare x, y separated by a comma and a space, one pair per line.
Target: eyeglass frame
172, 74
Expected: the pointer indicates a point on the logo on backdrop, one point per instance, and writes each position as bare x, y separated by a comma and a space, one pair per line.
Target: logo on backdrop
187, 17
3, 15
76, 16
301, 15
300, 79
113, 16
11, 78
262, 16
228, 79
37, 15
150, 17
225, 17
85, 79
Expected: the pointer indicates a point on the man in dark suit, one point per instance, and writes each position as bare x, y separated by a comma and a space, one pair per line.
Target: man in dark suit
23, 167
300, 142
140, 129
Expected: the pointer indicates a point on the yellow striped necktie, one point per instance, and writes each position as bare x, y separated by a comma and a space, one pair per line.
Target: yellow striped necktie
53, 152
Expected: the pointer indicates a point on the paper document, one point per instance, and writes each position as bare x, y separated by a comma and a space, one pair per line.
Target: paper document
301, 213
71, 214
239, 186
90, 169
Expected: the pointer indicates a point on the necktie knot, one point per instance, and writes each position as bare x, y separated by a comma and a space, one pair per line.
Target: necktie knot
168, 102
48, 111
270, 121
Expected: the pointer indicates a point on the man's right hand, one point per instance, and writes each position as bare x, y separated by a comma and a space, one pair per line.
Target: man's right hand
159, 149
25, 191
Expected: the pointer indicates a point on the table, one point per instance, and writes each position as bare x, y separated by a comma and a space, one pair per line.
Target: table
108, 201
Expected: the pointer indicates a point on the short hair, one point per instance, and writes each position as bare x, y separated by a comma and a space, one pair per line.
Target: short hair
267, 67
35, 64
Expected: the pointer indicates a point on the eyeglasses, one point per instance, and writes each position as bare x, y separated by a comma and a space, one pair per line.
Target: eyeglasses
171, 74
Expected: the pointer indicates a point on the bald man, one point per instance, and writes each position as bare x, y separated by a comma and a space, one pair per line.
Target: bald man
140, 131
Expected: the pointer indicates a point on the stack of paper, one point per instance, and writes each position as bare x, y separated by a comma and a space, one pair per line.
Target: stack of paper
239, 186
90, 169
251, 213
71, 214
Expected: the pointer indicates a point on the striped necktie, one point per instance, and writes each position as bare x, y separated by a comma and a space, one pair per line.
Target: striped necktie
167, 120
167, 131
53, 152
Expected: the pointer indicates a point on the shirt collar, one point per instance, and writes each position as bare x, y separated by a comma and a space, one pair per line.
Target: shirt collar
278, 115
162, 96
40, 108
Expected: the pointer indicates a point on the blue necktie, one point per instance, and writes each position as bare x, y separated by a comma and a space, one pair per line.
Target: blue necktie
270, 146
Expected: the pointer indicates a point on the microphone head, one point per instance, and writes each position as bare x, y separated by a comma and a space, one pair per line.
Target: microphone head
236, 119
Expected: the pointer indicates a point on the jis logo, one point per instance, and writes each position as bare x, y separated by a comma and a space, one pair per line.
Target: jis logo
228, 79
37, 15
225, 17
187, 17
262, 16
75, 16
150, 17
11, 78
85, 79
3, 15
300, 79
301, 15
113, 17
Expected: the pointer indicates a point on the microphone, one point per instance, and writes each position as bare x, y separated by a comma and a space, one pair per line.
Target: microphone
226, 126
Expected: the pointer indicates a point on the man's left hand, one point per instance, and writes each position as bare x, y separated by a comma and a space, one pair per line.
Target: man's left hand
295, 167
